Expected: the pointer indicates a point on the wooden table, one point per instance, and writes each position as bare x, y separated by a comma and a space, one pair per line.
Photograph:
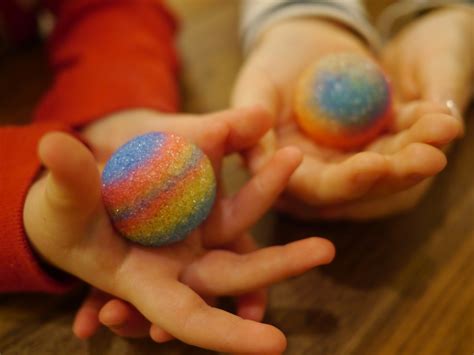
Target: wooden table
398, 286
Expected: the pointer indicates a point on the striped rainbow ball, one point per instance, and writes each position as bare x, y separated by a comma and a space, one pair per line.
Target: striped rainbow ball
157, 188
343, 101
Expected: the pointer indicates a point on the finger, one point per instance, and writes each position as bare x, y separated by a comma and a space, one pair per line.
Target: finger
404, 169
159, 335
182, 313
225, 273
434, 129
231, 130
123, 319
315, 183
255, 87
223, 132
246, 128
409, 113
228, 134
86, 322
236, 214
243, 245
252, 305
410, 166
73, 185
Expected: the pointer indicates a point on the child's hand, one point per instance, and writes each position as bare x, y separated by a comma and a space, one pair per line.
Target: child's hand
105, 136
432, 69
330, 183
68, 226
125, 320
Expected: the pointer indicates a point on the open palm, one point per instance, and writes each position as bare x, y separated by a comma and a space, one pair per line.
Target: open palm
68, 226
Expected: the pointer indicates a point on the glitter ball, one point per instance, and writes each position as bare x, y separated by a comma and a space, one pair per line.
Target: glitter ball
157, 188
343, 101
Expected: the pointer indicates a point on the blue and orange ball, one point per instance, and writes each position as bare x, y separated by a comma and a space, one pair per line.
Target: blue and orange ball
343, 101
157, 188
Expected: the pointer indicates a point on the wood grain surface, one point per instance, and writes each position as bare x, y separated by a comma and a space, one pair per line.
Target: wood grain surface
403, 285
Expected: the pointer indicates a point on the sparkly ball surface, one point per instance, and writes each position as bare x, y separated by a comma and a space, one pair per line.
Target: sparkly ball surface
343, 101
157, 188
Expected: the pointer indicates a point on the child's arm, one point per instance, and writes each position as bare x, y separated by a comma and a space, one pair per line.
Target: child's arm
19, 166
94, 51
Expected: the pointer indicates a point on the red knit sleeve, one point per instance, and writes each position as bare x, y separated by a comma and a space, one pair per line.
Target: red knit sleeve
110, 55
20, 270
106, 55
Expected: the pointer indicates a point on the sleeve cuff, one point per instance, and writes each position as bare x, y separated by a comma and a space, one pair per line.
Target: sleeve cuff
20, 269
260, 16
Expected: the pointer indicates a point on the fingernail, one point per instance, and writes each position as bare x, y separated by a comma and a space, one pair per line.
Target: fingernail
451, 105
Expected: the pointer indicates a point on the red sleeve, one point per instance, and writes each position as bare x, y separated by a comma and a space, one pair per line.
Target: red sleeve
106, 55
20, 270
110, 55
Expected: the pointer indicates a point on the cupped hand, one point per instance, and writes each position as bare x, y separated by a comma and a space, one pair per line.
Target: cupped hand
122, 318
431, 67
69, 228
332, 183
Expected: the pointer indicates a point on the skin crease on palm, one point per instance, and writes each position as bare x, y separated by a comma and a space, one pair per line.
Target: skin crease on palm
383, 184
391, 173
169, 286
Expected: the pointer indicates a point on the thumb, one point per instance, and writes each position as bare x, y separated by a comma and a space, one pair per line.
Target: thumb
254, 87
73, 183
